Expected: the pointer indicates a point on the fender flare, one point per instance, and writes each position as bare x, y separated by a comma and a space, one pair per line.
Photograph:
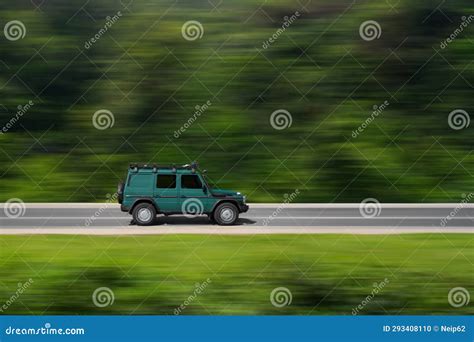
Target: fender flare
225, 200
143, 200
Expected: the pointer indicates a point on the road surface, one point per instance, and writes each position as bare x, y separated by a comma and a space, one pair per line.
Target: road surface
107, 219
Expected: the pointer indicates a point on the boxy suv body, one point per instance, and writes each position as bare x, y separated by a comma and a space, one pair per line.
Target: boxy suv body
153, 189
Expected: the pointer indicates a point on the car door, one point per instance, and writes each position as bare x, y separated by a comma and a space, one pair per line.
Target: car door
193, 197
166, 193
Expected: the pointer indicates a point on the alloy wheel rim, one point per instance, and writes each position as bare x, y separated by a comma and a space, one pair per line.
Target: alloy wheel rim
144, 215
227, 215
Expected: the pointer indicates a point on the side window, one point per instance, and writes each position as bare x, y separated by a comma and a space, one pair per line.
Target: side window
166, 181
140, 181
190, 182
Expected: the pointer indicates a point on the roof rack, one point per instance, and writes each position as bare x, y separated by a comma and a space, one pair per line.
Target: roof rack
193, 166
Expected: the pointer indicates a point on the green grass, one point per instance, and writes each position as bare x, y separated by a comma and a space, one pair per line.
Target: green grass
326, 274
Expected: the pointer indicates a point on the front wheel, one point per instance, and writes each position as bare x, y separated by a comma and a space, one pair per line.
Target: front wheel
144, 214
226, 214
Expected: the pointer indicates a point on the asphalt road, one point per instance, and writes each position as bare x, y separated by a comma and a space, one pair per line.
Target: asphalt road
107, 219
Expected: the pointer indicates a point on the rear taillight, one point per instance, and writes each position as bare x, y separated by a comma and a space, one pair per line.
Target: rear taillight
120, 192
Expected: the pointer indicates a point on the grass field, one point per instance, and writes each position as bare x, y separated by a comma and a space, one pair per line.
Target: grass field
325, 274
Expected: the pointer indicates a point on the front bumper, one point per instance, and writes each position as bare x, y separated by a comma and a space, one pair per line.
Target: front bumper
124, 208
243, 208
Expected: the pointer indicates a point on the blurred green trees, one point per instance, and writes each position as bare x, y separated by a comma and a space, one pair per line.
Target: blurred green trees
319, 69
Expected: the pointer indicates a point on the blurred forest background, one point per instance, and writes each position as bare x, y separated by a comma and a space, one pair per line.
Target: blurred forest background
144, 71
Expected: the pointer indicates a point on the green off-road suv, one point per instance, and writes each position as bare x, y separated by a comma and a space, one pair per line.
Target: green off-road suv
157, 189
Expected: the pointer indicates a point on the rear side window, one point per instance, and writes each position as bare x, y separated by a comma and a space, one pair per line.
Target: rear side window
166, 181
140, 181
190, 182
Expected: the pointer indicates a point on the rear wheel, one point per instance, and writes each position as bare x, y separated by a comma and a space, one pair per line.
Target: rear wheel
144, 214
211, 218
226, 214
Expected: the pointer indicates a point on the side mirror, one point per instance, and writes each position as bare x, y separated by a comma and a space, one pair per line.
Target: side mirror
204, 189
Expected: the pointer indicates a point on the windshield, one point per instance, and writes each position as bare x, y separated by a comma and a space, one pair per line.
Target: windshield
209, 183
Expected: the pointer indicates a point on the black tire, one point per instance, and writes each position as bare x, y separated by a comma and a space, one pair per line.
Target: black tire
226, 214
144, 214
211, 218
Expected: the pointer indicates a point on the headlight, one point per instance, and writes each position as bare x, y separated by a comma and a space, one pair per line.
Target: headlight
244, 198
